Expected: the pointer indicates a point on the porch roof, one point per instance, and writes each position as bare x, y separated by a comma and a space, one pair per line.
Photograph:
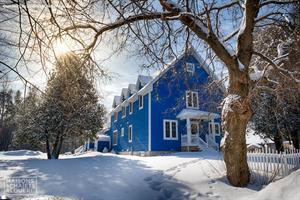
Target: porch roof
196, 114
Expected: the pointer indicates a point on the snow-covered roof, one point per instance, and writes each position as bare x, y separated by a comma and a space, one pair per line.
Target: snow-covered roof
124, 94
117, 101
249, 146
103, 138
142, 81
196, 114
131, 89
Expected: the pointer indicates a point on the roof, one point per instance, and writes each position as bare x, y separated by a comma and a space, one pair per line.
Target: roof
131, 88
124, 93
143, 80
196, 114
117, 101
103, 138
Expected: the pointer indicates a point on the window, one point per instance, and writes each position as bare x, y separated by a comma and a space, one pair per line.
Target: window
141, 103
115, 116
190, 67
130, 107
123, 111
115, 137
192, 99
130, 133
122, 132
170, 130
217, 128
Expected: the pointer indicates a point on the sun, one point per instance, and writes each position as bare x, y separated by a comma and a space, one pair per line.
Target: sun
60, 47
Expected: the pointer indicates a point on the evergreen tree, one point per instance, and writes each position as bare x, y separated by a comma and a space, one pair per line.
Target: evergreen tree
276, 104
27, 133
70, 108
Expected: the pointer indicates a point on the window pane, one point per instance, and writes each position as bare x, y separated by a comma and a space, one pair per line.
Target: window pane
140, 101
167, 126
217, 129
189, 99
115, 136
130, 107
130, 133
174, 130
195, 99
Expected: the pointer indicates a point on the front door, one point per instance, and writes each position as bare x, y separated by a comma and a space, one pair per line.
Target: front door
194, 128
194, 133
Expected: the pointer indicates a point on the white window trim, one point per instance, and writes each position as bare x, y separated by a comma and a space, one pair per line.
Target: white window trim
140, 107
123, 116
219, 129
130, 108
130, 139
122, 132
187, 102
164, 129
114, 144
193, 68
115, 119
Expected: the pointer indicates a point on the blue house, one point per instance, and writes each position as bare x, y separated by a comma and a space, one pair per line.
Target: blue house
175, 111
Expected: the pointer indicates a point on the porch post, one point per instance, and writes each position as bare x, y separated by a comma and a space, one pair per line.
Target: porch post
213, 129
188, 126
89, 144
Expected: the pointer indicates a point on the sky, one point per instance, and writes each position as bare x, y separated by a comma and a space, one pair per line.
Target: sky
124, 70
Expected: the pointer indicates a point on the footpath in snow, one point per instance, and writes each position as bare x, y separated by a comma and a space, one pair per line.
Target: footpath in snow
93, 176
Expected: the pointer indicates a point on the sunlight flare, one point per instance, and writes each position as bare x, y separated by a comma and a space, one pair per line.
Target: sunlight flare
60, 47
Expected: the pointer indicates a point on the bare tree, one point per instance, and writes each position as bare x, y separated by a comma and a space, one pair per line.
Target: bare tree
161, 29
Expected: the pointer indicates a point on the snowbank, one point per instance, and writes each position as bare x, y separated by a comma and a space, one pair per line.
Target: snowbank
286, 188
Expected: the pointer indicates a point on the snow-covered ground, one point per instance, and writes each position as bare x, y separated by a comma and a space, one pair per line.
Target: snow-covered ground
93, 175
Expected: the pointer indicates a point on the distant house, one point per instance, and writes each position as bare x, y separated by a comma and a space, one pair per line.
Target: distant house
174, 111
255, 142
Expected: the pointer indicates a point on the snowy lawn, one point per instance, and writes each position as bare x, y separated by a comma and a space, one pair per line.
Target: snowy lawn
94, 175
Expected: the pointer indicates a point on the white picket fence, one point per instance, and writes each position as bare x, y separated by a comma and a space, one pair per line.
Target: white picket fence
266, 164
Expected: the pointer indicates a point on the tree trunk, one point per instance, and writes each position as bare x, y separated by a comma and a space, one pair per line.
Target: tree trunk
47, 146
236, 113
278, 142
57, 146
295, 139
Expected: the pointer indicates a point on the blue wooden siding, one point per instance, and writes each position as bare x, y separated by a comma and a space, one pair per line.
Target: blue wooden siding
168, 99
139, 121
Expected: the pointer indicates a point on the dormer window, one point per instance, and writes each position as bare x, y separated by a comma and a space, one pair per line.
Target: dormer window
192, 99
123, 111
190, 67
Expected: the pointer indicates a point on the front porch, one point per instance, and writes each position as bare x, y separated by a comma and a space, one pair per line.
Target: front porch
201, 130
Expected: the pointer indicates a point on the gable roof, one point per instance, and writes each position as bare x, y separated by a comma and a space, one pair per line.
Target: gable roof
142, 81
117, 101
131, 89
124, 94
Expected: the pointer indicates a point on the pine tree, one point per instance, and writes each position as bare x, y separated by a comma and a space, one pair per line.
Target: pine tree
70, 108
27, 133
